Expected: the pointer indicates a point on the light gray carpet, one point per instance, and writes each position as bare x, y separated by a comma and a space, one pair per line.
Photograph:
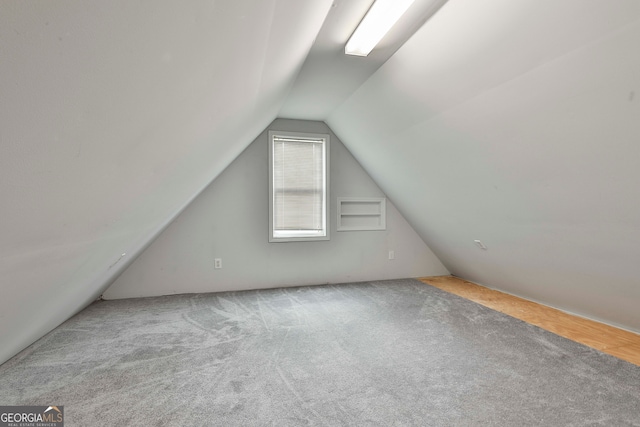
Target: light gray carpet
390, 353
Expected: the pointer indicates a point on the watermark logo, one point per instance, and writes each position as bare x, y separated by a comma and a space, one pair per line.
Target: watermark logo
31, 416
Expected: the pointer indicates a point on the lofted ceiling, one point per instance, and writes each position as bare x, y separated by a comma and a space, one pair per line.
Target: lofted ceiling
328, 76
516, 123
511, 121
114, 116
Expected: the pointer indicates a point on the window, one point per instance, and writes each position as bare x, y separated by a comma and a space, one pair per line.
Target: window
298, 186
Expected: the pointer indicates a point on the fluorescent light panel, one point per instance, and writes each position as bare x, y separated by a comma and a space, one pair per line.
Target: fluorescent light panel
375, 24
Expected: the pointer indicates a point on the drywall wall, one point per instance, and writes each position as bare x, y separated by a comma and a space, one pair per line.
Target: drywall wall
113, 116
516, 123
230, 221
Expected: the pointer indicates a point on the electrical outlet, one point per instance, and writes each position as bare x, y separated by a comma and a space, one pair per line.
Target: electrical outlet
217, 263
392, 255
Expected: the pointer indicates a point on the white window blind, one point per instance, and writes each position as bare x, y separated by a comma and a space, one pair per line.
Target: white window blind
299, 187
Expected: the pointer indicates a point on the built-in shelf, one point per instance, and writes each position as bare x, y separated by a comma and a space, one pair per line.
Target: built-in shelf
361, 214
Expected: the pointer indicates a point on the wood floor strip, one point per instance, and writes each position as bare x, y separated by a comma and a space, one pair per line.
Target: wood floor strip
608, 339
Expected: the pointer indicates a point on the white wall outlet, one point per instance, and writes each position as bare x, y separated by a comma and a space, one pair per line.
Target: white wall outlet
217, 263
480, 245
392, 255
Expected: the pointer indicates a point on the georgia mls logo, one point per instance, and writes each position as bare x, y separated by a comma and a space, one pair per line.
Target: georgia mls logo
31, 416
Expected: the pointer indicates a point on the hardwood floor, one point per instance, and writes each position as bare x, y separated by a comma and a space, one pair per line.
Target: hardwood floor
608, 339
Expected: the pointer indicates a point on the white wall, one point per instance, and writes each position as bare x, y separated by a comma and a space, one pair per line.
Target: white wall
520, 128
113, 115
230, 221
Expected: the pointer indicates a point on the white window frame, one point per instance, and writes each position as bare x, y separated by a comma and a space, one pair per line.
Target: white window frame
299, 235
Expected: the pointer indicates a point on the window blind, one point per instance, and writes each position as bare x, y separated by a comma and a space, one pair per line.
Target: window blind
299, 186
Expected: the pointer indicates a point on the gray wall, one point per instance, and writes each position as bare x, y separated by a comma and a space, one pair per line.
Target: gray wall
230, 221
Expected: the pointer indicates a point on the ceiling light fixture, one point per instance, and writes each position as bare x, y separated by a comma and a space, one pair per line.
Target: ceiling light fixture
375, 24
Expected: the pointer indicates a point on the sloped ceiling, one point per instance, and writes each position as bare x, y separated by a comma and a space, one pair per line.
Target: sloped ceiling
516, 123
511, 121
113, 116
328, 76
